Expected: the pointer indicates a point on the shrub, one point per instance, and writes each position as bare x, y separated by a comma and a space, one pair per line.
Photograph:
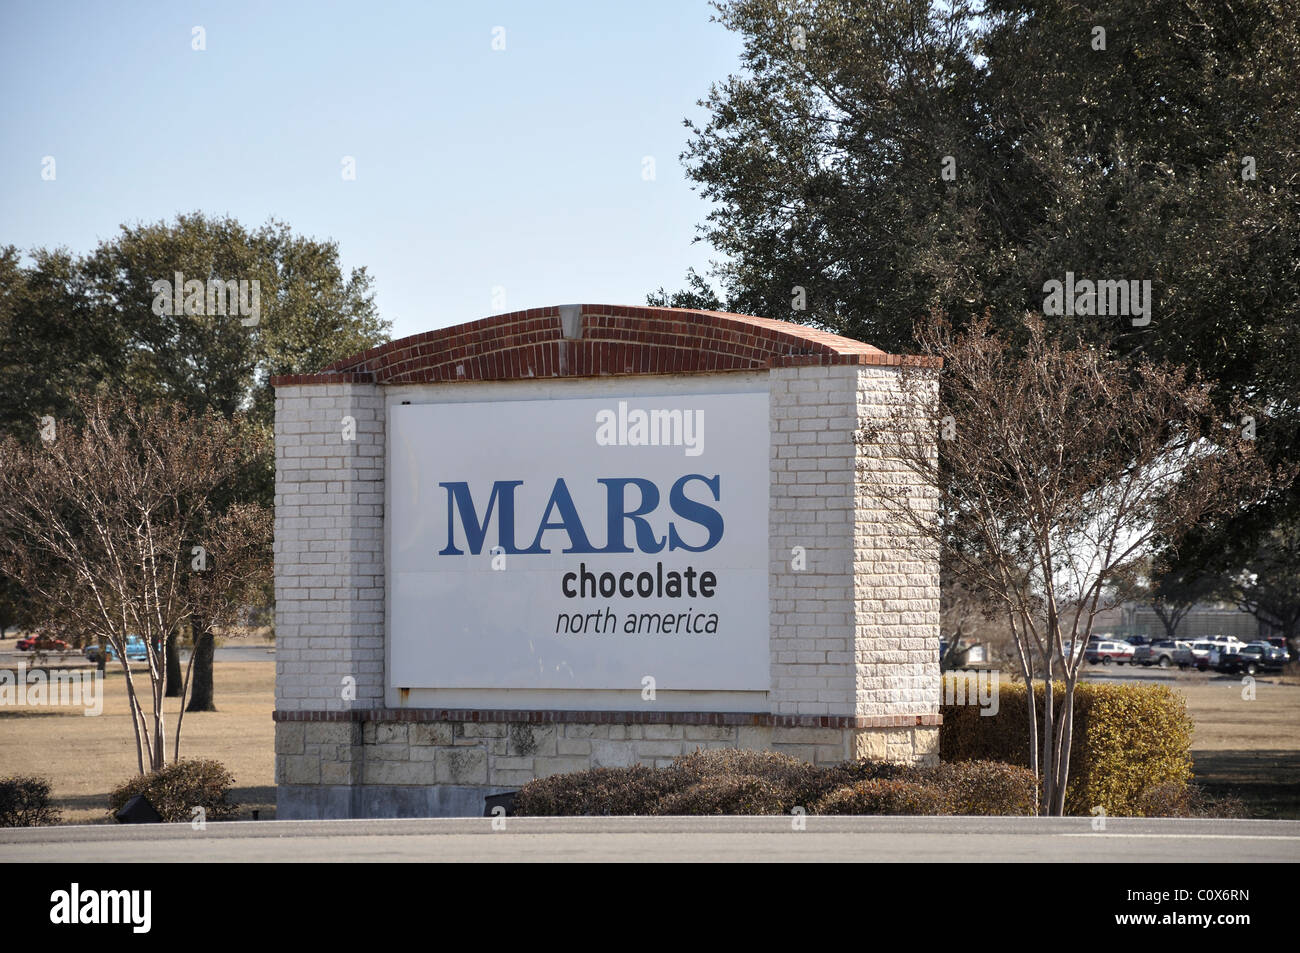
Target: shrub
986, 788
738, 781
598, 792
882, 796
25, 802
1127, 739
724, 794
793, 783
1186, 800
178, 788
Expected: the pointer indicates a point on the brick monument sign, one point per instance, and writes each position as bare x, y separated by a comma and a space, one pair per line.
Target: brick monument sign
588, 535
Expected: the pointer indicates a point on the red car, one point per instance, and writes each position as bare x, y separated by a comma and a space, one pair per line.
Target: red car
1105, 651
43, 643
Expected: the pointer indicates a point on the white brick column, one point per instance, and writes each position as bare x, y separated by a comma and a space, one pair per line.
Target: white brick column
813, 413
896, 575
329, 546
854, 634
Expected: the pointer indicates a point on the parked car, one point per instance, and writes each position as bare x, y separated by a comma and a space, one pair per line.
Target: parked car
1197, 655
1105, 651
136, 651
1160, 652
1251, 658
1136, 640
1278, 654
1224, 640
1280, 643
1070, 650
42, 643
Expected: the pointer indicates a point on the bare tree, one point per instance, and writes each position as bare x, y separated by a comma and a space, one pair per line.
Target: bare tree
966, 615
1058, 469
1170, 592
110, 525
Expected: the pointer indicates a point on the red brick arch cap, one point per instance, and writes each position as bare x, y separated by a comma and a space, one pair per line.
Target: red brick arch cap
596, 340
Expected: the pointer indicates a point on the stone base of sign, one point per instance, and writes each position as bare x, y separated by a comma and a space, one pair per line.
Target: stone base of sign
360, 764
311, 802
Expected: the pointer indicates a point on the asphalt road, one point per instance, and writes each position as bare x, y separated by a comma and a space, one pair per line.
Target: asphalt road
641, 840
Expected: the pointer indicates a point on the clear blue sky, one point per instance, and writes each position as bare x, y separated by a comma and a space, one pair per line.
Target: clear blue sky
475, 168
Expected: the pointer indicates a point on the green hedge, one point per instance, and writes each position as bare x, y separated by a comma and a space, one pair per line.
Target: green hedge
1127, 739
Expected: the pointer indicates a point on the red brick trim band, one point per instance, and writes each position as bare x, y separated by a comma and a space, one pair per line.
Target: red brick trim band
613, 340
333, 377
536, 716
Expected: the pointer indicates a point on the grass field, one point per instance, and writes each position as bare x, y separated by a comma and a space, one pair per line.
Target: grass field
84, 757
1250, 749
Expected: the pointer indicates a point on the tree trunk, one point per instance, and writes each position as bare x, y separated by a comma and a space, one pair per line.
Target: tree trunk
1049, 740
1067, 739
201, 685
1035, 762
174, 679
1170, 624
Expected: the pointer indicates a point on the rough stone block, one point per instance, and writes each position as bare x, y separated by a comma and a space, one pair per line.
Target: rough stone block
545, 767
612, 754
337, 772
663, 732
528, 740
807, 736
710, 733
462, 766
289, 737
431, 733
658, 749
300, 769
754, 737
876, 743
573, 746
484, 729
327, 733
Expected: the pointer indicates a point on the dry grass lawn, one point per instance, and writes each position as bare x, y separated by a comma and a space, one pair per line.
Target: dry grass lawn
85, 757
1246, 748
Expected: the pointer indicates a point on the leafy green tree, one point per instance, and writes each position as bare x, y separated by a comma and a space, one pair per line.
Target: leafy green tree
872, 163
1171, 592
71, 325
698, 294
1268, 584
311, 313
54, 343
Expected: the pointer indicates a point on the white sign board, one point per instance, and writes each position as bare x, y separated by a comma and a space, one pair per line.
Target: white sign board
579, 544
